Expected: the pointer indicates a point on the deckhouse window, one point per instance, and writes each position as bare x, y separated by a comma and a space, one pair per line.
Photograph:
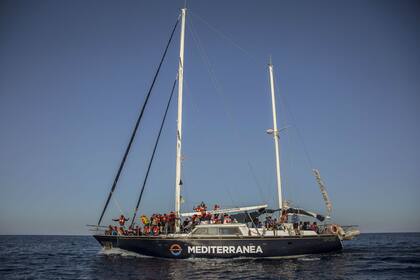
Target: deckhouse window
217, 231
229, 231
201, 231
207, 231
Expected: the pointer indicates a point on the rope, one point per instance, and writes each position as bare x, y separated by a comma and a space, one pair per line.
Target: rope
225, 36
153, 153
217, 87
300, 137
228, 38
257, 182
127, 150
118, 205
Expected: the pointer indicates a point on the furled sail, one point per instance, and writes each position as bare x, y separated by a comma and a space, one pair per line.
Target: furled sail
303, 212
323, 191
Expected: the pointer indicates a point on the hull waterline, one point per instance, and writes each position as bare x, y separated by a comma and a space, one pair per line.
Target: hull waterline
251, 247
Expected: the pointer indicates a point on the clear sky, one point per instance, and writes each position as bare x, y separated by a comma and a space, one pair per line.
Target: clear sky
73, 75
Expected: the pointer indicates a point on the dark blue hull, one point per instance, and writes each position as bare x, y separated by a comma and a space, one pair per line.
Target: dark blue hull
234, 247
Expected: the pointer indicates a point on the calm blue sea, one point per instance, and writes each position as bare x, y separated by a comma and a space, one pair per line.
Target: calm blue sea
371, 256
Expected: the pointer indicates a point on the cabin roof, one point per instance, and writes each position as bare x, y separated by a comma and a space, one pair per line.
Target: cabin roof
220, 225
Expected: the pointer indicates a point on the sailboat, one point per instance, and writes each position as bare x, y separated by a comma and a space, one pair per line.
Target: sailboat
243, 235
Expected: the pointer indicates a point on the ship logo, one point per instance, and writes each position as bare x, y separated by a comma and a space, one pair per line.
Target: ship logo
175, 249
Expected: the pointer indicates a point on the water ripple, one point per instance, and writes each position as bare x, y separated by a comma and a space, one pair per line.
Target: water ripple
371, 256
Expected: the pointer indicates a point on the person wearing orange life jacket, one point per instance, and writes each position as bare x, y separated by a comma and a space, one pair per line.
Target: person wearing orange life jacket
171, 221
121, 220
155, 230
146, 230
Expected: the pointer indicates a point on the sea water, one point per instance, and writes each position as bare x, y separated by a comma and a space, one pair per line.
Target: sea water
370, 256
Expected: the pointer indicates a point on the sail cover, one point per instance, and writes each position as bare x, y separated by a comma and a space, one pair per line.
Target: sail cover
324, 193
303, 212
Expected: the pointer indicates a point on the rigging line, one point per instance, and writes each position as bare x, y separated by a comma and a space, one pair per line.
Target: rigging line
127, 150
154, 152
257, 182
188, 92
226, 37
204, 57
231, 197
300, 137
215, 82
118, 205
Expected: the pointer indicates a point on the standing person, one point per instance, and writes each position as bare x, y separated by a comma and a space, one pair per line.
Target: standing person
295, 219
283, 218
314, 227
171, 220
121, 220
186, 224
163, 222
146, 229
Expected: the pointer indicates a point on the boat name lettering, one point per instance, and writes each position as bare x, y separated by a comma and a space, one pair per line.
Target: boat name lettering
250, 249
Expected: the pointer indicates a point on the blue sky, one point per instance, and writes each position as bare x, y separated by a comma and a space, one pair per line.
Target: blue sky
74, 73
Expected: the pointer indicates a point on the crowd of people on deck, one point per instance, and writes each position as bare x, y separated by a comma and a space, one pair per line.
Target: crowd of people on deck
165, 223
205, 217
273, 224
306, 226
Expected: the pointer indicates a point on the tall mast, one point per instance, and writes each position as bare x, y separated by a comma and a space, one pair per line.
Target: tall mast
275, 133
178, 181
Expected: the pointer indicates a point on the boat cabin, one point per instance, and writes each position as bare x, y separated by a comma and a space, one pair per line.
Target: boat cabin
240, 229
236, 229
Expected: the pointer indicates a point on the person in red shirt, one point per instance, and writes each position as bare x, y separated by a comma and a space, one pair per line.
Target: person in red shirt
171, 220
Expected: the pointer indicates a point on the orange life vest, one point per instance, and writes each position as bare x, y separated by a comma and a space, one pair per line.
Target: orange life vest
121, 220
146, 229
155, 230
